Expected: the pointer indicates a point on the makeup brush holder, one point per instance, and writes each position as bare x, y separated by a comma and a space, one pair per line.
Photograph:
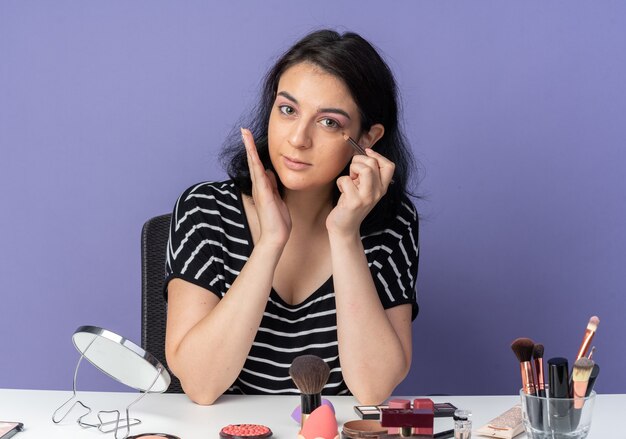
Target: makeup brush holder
557, 418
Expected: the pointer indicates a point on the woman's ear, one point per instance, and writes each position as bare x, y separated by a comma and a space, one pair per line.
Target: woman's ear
374, 134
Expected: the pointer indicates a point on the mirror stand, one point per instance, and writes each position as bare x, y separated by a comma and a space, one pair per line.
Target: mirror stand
84, 337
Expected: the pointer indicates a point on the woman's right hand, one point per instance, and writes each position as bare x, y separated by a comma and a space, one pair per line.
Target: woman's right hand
272, 212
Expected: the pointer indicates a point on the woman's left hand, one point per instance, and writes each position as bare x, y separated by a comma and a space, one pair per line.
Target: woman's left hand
370, 176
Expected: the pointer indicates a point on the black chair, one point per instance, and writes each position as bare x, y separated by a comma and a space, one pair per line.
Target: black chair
154, 236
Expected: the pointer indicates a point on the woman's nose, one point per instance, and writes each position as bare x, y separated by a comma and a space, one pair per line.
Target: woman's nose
300, 136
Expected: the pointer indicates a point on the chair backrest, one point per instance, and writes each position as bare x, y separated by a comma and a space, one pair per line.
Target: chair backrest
154, 236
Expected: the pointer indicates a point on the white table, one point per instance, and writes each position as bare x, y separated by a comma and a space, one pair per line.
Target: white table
176, 414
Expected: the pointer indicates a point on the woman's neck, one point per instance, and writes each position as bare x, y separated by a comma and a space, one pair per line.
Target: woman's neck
309, 209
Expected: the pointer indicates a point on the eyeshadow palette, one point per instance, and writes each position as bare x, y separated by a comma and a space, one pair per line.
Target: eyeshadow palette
442, 410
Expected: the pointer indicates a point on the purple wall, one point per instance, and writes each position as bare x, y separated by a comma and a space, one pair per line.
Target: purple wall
516, 110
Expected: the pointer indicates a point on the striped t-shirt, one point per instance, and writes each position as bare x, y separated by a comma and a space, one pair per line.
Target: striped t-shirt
209, 244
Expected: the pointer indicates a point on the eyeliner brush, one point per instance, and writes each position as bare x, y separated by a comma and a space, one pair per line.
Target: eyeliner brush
357, 148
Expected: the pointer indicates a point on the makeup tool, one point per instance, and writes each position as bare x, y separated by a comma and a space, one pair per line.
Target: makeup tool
357, 148
591, 352
580, 378
442, 410
538, 363
296, 415
122, 360
309, 373
558, 392
321, 424
558, 378
506, 426
407, 420
424, 404
580, 382
523, 349
592, 326
398, 404
245, 431
592, 379
10, 429
370, 412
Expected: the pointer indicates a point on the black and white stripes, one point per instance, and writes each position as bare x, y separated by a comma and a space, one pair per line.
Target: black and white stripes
210, 243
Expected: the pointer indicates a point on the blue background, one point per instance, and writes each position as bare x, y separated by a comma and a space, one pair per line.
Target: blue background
516, 111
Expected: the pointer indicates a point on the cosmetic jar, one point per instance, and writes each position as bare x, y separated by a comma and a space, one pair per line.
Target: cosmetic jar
363, 428
462, 424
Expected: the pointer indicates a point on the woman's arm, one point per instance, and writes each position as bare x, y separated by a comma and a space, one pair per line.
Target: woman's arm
374, 343
208, 339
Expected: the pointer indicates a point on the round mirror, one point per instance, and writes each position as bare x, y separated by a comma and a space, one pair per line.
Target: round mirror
121, 359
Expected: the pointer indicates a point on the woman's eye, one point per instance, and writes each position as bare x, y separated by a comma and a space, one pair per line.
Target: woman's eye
330, 123
286, 110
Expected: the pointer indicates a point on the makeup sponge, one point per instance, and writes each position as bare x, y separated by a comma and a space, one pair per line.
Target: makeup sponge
320, 424
296, 415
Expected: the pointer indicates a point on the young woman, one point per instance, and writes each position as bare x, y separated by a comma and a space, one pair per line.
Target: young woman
310, 248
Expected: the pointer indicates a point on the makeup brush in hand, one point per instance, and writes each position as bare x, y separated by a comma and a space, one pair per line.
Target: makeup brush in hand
538, 360
310, 373
523, 349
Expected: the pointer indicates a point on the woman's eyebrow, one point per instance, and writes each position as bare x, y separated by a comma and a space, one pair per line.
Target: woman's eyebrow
319, 110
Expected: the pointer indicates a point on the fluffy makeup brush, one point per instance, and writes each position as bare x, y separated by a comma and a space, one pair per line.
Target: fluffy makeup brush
310, 373
592, 326
523, 350
538, 362
580, 378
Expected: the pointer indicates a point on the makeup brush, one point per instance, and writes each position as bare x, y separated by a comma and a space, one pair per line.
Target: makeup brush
592, 379
580, 377
523, 349
310, 373
538, 360
592, 326
357, 148
591, 352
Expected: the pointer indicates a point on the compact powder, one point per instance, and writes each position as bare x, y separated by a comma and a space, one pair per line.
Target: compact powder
245, 431
363, 428
153, 436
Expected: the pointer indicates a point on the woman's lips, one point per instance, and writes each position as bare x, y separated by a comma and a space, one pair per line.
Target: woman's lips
293, 164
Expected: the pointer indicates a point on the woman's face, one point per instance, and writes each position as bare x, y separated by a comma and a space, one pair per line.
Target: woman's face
311, 111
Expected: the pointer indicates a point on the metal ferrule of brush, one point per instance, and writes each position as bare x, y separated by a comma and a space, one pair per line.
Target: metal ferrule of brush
528, 382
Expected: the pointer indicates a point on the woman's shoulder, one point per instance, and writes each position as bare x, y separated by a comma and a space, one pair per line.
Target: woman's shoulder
219, 199
211, 190
402, 217
406, 213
